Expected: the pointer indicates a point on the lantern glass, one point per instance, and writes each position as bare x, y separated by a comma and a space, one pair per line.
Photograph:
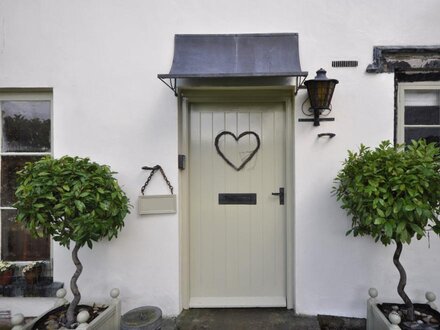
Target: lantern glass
320, 90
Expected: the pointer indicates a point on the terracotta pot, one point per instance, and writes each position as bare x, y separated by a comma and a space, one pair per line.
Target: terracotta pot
6, 277
32, 276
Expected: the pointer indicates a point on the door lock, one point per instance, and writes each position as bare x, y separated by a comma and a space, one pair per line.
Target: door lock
280, 194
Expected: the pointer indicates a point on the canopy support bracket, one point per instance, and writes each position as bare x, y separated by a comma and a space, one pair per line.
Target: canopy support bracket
171, 85
300, 83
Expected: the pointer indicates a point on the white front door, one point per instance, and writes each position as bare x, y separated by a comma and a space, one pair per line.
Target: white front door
237, 227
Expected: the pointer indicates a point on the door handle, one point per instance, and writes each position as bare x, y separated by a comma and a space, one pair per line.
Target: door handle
280, 194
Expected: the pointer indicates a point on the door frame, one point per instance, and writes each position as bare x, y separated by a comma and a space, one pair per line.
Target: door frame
189, 95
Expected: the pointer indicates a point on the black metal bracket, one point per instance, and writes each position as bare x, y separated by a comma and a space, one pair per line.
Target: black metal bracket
280, 193
300, 83
171, 85
315, 120
153, 170
181, 162
330, 135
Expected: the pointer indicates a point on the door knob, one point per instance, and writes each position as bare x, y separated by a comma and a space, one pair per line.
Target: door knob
280, 194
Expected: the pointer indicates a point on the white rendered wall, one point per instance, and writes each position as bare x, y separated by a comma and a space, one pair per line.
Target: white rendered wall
102, 57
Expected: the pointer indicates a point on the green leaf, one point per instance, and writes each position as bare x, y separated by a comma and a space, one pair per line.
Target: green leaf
388, 212
401, 226
20, 217
417, 229
379, 221
388, 229
79, 205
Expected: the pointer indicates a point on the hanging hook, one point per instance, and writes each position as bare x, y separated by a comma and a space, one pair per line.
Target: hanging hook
153, 170
149, 168
330, 135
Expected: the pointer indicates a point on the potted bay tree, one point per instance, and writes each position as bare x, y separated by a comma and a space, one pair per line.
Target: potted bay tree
73, 200
392, 193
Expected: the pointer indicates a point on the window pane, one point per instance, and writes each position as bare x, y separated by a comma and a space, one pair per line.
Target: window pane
26, 126
421, 97
422, 115
428, 133
18, 244
9, 166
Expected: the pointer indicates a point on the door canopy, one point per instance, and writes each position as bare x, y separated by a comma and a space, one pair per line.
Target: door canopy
233, 56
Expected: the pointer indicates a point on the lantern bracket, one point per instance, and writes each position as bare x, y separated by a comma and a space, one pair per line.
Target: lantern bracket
316, 120
317, 114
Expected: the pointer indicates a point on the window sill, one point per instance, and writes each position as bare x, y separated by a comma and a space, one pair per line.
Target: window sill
19, 288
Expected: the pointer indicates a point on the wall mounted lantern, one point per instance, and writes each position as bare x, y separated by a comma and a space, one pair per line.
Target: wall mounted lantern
320, 91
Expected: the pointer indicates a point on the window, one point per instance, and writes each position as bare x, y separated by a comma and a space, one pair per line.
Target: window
418, 112
25, 136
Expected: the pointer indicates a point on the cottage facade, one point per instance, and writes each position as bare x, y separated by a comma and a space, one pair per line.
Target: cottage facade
91, 70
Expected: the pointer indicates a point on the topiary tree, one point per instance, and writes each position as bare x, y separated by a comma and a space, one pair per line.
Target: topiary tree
70, 199
392, 194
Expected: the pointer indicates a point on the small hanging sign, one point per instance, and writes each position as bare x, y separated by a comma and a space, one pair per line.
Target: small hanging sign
156, 204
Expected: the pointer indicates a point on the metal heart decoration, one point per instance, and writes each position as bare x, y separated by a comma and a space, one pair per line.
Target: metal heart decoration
222, 155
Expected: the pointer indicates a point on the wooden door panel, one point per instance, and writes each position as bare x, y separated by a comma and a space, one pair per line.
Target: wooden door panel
237, 252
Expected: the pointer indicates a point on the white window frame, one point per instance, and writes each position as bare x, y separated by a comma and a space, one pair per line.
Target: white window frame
26, 95
405, 86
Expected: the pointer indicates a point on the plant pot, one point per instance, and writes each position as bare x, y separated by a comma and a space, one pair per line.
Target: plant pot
376, 320
33, 276
6, 277
109, 319
142, 318
54, 314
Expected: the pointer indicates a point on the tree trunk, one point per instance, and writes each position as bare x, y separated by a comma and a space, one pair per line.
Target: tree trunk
402, 282
74, 287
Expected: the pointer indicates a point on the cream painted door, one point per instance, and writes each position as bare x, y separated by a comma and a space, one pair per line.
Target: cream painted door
237, 251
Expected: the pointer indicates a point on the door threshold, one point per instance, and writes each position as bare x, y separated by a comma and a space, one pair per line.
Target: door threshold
236, 302
245, 319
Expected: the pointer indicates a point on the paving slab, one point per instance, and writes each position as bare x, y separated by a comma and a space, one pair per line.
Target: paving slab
330, 322
244, 319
